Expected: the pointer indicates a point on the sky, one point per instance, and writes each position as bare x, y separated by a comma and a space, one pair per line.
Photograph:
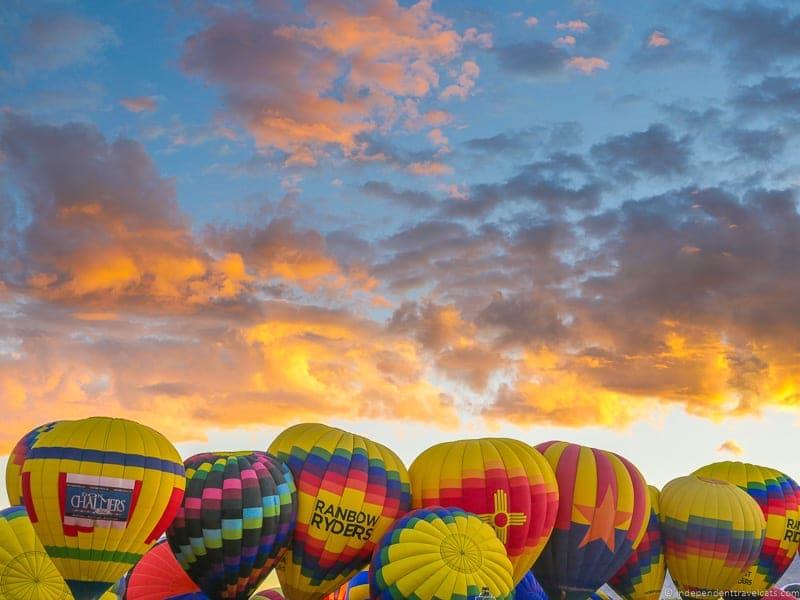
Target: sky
416, 221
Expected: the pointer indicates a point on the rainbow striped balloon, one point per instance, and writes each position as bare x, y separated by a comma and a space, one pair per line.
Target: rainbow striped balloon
350, 491
440, 554
99, 493
355, 589
712, 531
505, 482
778, 496
642, 577
602, 516
26, 572
236, 521
17, 458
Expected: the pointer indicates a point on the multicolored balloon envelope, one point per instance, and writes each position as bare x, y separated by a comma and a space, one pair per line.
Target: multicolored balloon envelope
355, 589
602, 516
26, 571
778, 496
508, 484
15, 461
529, 589
642, 577
159, 576
270, 594
99, 493
350, 491
440, 554
236, 521
712, 531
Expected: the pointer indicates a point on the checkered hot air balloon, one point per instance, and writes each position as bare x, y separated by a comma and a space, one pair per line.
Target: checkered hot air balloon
350, 491
642, 576
440, 554
17, 458
602, 516
712, 531
159, 576
26, 572
778, 496
505, 482
99, 493
235, 522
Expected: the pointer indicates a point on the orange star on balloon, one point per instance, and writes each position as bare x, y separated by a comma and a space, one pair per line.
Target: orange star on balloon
603, 520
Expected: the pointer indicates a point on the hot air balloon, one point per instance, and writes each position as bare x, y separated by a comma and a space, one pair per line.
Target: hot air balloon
599, 595
159, 576
642, 577
270, 594
99, 493
711, 531
602, 516
505, 482
355, 589
25, 569
350, 490
440, 554
14, 465
236, 521
529, 589
778, 496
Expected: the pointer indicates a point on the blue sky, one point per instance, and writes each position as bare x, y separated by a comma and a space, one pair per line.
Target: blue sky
538, 219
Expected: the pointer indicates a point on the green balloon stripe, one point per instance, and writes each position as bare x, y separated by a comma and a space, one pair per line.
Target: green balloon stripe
93, 555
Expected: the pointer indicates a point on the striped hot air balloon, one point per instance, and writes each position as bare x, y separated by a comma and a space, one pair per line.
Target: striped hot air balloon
99, 493
159, 576
26, 572
529, 589
602, 516
642, 577
350, 491
15, 460
355, 589
505, 482
440, 554
778, 496
236, 521
712, 531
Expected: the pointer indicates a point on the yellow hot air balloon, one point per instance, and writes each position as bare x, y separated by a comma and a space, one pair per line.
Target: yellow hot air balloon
349, 492
507, 483
779, 498
712, 531
26, 572
99, 493
15, 461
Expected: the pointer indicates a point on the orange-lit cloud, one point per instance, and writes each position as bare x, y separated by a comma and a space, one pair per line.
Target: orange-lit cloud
566, 40
731, 447
587, 64
531, 22
575, 25
657, 40
381, 57
139, 104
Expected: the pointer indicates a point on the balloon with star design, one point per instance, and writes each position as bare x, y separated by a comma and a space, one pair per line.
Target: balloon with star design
602, 516
507, 483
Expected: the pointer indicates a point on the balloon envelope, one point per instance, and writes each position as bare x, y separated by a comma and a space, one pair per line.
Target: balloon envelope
271, 594
159, 576
235, 522
507, 483
25, 569
99, 493
778, 496
350, 491
642, 576
602, 516
711, 532
440, 554
15, 461
355, 589
529, 589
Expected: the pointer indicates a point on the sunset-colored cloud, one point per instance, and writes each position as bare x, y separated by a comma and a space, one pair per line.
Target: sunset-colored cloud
531, 22
139, 104
657, 39
565, 40
731, 447
574, 25
380, 56
587, 65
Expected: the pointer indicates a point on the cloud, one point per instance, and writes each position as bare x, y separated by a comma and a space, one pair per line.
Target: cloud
575, 25
566, 40
139, 104
660, 50
406, 198
757, 144
482, 40
531, 22
657, 39
308, 90
655, 151
770, 95
757, 37
587, 65
532, 59
55, 41
731, 447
